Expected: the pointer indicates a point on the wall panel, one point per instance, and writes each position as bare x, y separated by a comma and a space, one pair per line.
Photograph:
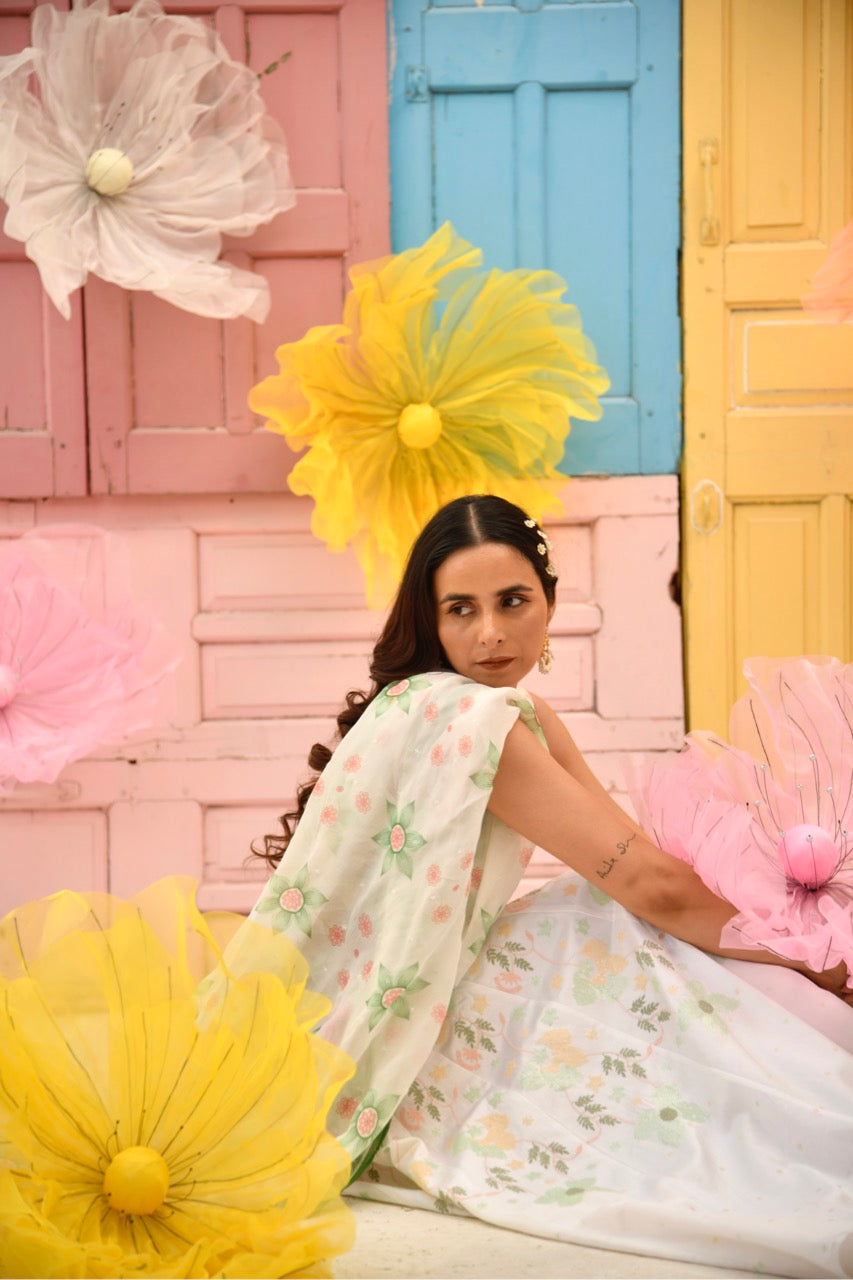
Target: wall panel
274, 631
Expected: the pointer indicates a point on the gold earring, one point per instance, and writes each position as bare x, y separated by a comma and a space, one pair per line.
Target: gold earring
546, 657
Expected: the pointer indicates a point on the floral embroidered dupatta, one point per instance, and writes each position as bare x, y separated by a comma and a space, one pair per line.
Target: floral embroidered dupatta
393, 879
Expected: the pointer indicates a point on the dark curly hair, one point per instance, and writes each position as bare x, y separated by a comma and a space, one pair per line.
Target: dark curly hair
409, 641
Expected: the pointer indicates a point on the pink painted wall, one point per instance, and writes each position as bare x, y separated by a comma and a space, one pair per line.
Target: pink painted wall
274, 630
132, 415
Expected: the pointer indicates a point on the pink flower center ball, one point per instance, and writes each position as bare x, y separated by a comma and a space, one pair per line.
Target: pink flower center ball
808, 855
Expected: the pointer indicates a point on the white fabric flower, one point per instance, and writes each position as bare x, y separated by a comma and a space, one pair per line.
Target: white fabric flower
142, 143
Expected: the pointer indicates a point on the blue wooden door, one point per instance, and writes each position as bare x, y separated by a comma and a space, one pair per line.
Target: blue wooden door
548, 133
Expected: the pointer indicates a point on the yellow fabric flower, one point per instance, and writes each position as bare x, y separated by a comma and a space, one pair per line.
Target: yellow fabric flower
152, 1124
444, 379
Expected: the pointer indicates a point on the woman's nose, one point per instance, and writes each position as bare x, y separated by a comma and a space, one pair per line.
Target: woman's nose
491, 629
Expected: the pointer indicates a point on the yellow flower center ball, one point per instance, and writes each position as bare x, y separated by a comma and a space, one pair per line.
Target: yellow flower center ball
109, 171
137, 1180
419, 425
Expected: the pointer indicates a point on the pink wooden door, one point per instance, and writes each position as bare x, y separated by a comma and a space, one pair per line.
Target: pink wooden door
42, 406
163, 392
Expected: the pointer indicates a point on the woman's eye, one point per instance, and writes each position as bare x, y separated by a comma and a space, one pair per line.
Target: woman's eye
513, 602
460, 610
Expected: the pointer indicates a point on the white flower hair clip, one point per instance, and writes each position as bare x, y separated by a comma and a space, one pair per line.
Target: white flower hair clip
544, 547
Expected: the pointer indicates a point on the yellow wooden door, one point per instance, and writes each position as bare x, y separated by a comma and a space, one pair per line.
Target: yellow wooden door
767, 473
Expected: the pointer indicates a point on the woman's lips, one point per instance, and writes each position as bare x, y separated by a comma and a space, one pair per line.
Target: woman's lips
496, 664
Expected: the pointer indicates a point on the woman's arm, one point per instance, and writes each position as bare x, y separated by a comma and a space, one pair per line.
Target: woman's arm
562, 747
536, 796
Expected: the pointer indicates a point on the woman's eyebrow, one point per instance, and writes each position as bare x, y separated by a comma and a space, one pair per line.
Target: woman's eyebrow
502, 591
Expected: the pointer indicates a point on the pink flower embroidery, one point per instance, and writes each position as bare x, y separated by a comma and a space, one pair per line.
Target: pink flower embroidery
437, 755
397, 838
365, 925
352, 764
525, 855
508, 982
337, 935
477, 877
438, 1013
396, 689
466, 861
366, 970
392, 994
363, 802
346, 1107
367, 1122
466, 703
329, 815
430, 711
468, 1058
465, 746
434, 874
319, 787
410, 1118
343, 978
292, 900
441, 914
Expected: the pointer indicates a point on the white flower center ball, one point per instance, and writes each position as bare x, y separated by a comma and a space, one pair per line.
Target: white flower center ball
109, 171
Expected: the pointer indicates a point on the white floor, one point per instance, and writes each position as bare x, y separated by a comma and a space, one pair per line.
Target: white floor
408, 1244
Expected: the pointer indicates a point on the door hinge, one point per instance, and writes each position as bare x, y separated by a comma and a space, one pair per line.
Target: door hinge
417, 84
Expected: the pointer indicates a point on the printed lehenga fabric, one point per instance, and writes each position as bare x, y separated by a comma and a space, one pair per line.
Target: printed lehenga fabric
556, 1065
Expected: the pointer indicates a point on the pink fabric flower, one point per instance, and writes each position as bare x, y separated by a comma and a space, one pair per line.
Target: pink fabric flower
737, 810
79, 664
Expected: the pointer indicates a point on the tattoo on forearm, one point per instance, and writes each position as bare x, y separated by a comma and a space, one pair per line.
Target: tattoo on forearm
609, 863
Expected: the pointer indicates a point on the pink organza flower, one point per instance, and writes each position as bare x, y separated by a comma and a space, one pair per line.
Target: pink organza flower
129, 144
79, 665
767, 818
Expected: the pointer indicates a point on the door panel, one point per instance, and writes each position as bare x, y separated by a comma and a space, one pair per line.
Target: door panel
768, 464
136, 396
548, 135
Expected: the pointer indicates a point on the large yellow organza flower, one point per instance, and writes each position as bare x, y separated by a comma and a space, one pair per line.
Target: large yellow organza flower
152, 1125
444, 379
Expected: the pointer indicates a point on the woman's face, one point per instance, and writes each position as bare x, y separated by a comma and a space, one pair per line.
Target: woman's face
492, 613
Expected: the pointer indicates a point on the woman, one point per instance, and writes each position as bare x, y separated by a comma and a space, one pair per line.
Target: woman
559, 1066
